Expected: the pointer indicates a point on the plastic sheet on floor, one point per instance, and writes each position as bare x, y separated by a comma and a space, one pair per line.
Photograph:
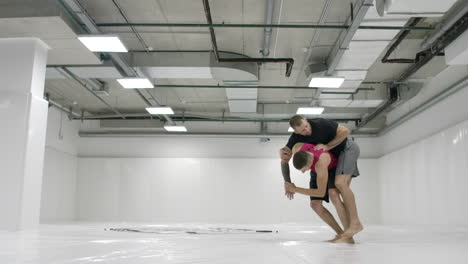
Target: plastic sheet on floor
214, 243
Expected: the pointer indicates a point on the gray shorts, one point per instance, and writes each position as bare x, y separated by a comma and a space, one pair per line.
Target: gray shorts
347, 161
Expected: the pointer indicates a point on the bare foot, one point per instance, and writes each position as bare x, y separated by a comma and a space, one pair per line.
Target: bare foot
348, 240
333, 239
352, 230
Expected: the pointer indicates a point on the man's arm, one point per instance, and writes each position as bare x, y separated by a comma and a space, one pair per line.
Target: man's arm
285, 171
285, 155
342, 133
322, 179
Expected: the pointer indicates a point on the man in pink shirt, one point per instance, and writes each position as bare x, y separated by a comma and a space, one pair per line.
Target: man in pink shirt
330, 136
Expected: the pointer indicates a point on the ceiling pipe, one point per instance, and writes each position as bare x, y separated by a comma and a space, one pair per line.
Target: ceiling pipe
289, 61
258, 87
455, 13
178, 135
267, 31
71, 114
201, 119
345, 37
191, 134
292, 26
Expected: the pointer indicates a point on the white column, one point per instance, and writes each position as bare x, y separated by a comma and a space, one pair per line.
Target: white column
23, 120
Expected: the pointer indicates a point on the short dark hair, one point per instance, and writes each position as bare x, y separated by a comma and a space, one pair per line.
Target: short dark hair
296, 121
300, 159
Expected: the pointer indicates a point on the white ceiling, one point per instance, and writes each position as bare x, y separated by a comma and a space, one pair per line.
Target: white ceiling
358, 63
65, 47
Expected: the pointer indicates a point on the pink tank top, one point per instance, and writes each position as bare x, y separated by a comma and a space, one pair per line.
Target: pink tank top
317, 153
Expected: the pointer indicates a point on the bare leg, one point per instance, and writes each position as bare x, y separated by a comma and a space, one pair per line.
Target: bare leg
355, 225
340, 208
326, 216
342, 213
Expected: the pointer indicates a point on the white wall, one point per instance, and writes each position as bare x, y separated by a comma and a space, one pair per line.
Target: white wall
425, 182
197, 146
205, 179
58, 201
230, 190
423, 174
120, 179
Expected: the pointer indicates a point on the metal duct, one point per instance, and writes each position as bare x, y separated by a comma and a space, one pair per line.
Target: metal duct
416, 7
361, 51
267, 31
289, 61
450, 18
346, 36
457, 29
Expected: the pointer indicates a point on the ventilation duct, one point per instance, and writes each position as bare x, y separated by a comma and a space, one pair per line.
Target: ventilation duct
413, 7
240, 100
457, 52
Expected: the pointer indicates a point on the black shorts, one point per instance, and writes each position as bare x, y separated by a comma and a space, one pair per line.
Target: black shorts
330, 184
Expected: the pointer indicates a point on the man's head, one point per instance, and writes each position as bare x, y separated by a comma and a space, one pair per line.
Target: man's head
303, 160
300, 125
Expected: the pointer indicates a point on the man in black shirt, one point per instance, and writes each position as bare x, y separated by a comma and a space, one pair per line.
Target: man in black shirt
330, 136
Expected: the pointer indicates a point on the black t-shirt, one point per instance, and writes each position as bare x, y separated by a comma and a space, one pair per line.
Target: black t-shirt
323, 131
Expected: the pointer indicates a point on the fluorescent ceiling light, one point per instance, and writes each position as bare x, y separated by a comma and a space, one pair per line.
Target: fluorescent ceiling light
326, 82
290, 129
310, 110
102, 43
175, 128
160, 110
131, 83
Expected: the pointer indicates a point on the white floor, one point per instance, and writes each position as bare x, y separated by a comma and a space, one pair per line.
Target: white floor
293, 243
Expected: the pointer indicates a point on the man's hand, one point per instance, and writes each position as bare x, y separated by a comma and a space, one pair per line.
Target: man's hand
285, 154
321, 146
290, 195
290, 187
